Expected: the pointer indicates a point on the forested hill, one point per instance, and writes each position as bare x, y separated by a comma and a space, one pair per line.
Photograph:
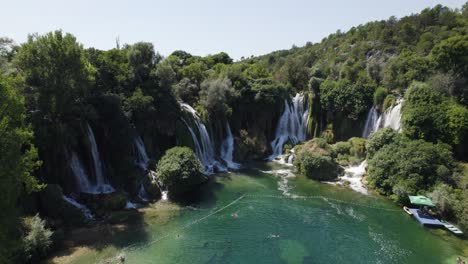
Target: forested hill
351, 70
90, 125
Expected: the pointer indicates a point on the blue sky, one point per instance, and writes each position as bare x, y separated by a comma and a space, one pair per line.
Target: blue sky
201, 27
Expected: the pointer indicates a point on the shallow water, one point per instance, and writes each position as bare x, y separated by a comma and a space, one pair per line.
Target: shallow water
236, 215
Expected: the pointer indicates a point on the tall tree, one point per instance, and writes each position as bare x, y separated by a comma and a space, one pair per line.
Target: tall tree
18, 158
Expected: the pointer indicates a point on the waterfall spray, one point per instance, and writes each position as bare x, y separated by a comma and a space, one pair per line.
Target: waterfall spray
227, 149
204, 147
292, 125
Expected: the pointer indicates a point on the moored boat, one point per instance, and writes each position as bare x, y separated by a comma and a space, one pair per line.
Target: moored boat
407, 210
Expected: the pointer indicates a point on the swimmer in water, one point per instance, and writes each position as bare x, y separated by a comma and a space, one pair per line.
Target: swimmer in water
234, 215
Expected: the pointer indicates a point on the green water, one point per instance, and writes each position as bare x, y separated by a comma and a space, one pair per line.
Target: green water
354, 228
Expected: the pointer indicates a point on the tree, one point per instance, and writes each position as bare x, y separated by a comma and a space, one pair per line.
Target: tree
452, 55
142, 59
405, 166
18, 158
194, 72
215, 95
430, 115
37, 238
56, 72
180, 170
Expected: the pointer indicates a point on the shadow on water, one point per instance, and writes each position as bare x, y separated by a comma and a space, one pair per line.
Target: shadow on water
118, 230
202, 196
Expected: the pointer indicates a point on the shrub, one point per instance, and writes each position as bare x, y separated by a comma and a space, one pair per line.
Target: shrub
180, 170
357, 147
389, 101
318, 167
342, 147
315, 159
379, 96
37, 238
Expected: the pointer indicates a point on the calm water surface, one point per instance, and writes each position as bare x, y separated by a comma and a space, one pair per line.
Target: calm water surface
251, 217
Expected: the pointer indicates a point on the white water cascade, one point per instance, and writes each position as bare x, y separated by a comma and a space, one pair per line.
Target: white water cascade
85, 210
141, 156
292, 125
227, 149
102, 184
353, 175
82, 179
204, 147
391, 118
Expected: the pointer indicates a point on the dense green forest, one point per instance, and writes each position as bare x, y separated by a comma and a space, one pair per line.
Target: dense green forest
53, 90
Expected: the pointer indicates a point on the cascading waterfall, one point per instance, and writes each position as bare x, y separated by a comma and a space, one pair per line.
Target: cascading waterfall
85, 185
391, 118
353, 175
292, 125
141, 156
204, 147
227, 149
85, 210
371, 121
82, 179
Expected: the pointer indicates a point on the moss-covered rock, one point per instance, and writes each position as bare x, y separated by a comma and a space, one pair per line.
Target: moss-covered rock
54, 206
316, 159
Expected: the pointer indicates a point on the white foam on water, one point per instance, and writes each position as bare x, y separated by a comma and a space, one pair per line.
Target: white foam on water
354, 175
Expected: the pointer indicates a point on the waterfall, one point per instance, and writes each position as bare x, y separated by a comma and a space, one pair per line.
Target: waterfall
82, 179
85, 210
353, 175
227, 149
391, 118
102, 185
142, 194
204, 147
141, 157
292, 125
371, 122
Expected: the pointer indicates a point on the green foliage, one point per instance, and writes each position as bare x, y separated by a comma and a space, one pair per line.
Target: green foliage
195, 72
56, 72
54, 206
429, 115
180, 170
187, 91
342, 148
379, 96
317, 167
351, 99
18, 158
452, 55
389, 101
358, 147
142, 58
380, 139
406, 68
37, 238
215, 95
405, 166
316, 160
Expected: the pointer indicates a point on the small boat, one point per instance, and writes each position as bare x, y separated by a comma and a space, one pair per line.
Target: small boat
407, 210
